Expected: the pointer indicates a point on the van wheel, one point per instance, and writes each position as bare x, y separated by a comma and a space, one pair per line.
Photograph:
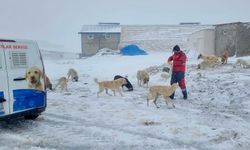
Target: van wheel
31, 117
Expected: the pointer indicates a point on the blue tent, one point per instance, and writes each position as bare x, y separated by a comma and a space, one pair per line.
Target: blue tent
132, 50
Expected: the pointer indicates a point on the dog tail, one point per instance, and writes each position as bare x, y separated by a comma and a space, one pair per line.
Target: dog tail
96, 80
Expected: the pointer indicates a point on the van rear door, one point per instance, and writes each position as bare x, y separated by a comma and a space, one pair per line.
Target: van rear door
21, 56
4, 90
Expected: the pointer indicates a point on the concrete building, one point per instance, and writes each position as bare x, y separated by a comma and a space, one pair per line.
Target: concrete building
203, 41
235, 37
96, 37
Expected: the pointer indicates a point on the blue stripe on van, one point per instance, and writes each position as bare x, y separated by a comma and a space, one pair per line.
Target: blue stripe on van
28, 98
1, 94
1, 105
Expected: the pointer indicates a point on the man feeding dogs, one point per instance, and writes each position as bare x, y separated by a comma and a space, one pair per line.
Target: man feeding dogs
178, 62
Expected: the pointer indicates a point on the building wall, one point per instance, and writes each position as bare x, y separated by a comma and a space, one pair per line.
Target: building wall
203, 41
234, 37
91, 46
158, 37
243, 40
225, 38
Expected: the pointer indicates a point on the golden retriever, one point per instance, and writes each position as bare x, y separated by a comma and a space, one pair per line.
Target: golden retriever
113, 85
224, 57
142, 77
62, 82
33, 76
72, 74
243, 63
166, 91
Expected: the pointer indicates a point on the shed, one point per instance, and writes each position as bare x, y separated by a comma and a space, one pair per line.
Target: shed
103, 35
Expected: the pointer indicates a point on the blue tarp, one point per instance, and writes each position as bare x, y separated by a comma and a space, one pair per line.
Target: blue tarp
132, 50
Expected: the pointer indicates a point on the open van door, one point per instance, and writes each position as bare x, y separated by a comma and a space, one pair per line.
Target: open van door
4, 90
20, 57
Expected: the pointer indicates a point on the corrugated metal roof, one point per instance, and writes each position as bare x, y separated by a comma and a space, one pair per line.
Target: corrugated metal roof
105, 28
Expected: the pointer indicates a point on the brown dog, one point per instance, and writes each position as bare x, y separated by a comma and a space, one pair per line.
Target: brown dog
113, 85
142, 77
166, 91
224, 57
33, 76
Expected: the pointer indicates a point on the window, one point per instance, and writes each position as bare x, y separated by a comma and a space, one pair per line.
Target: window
90, 36
107, 36
19, 59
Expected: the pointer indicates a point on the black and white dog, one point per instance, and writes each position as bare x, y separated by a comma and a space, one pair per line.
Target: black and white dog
129, 86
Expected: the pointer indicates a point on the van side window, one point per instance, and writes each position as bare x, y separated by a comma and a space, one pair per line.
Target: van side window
19, 59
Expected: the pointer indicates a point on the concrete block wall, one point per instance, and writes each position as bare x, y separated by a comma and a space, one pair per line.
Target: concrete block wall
158, 37
243, 40
235, 37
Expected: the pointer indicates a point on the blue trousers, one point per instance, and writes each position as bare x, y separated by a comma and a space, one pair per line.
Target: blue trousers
180, 78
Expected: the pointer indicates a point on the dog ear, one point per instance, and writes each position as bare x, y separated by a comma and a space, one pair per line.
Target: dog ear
40, 73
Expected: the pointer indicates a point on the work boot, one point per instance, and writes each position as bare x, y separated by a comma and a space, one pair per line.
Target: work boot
184, 92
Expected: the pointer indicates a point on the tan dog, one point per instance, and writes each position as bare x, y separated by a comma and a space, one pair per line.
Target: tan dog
48, 83
243, 63
62, 82
224, 57
207, 64
142, 77
166, 91
113, 85
72, 74
33, 76
210, 58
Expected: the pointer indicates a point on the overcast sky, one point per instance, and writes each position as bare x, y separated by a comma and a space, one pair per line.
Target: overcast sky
59, 21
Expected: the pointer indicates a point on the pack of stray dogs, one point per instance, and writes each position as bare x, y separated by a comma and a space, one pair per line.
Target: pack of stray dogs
212, 61
143, 78
62, 82
118, 84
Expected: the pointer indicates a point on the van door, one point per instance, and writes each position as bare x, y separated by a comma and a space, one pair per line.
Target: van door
4, 90
22, 56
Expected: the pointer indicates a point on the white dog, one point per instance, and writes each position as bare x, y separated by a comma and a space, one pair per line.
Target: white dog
72, 74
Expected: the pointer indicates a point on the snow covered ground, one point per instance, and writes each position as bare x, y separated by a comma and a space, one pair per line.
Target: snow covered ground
216, 115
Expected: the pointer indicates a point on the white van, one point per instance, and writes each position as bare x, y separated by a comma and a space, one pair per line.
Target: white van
22, 84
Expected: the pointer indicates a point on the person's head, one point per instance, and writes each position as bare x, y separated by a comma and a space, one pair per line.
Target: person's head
176, 48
